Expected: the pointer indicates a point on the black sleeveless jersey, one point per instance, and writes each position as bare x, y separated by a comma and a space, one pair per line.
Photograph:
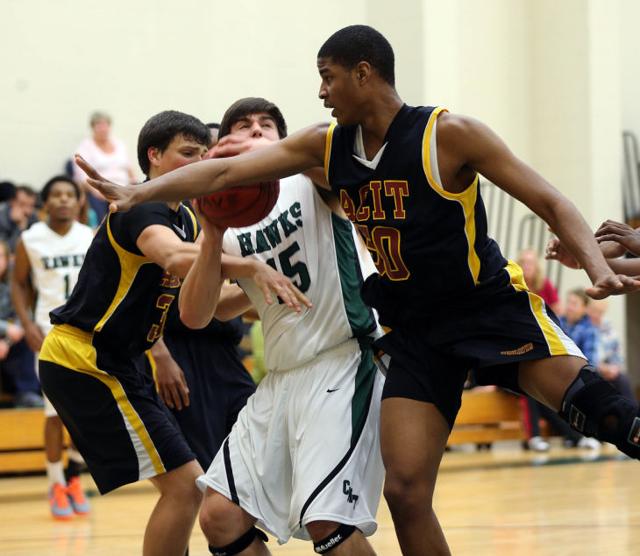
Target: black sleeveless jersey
121, 296
430, 246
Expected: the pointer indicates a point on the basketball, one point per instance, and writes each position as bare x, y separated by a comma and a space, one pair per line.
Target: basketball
240, 206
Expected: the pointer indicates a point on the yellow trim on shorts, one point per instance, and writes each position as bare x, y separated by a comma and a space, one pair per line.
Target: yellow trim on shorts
153, 365
72, 349
555, 343
327, 149
466, 198
130, 264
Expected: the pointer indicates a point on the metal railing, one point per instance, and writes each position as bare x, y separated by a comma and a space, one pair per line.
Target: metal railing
532, 232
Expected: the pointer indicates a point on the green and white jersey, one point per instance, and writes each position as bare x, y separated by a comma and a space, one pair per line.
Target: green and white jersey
302, 238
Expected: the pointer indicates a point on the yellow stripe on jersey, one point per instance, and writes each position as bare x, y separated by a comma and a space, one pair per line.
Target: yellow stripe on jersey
72, 348
467, 198
547, 326
194, 221
130, 264
327, 149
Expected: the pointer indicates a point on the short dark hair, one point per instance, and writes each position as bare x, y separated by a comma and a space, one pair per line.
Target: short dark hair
161, 129
7, 191
46, 189
361, 43
251, 105
213, 125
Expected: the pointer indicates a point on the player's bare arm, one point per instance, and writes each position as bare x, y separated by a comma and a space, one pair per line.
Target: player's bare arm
164, 248
296, 153
200, 290
233, 302
22, 295
466, 145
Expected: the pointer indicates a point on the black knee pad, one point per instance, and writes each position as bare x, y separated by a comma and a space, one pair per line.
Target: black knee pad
341, 534
238, 545
595, 408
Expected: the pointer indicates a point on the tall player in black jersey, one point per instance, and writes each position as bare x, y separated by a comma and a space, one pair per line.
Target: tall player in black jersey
408, 177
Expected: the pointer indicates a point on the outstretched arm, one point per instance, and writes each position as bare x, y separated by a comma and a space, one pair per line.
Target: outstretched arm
296, 153
479, 148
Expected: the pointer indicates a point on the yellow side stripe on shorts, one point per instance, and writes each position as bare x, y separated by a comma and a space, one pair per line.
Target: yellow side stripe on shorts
556, 346
70, 350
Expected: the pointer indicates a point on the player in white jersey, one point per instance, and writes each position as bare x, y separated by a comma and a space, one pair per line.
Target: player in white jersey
303, 458
48, 259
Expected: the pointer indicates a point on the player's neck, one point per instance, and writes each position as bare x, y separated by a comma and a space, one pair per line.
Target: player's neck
60, 227
379, 115
152, 175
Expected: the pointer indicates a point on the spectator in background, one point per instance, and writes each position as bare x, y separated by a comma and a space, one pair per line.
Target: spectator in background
108, 155
16, 360
610, 362
17, 214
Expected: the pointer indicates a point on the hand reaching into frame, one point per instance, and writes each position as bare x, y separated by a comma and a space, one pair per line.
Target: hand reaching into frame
120, 197
622, 234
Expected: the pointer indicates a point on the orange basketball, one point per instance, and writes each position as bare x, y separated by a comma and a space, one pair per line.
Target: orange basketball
240, 206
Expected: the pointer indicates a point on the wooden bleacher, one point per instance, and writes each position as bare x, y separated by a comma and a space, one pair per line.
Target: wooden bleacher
485, 417
21, 440
488, 416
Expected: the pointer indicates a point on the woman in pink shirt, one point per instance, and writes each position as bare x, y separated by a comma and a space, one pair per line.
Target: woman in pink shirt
108, 155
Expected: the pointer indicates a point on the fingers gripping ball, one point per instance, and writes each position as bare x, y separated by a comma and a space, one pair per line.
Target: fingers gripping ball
240, 206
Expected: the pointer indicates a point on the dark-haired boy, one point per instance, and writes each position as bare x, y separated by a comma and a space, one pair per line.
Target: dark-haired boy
408, 177
89, 362
47, 262
117, 310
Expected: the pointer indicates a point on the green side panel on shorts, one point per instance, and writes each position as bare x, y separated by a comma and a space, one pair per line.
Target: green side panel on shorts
365, 376
360, 316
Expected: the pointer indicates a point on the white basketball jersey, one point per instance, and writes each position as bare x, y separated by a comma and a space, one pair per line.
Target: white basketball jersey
55, 263
302, 238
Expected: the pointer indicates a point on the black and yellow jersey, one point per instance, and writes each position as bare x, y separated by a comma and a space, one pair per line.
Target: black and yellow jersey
430, 246
121, 296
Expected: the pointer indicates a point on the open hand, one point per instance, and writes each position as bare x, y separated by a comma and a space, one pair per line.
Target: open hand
233, 145
613, 284
556, 251
623, 234
121, 198
271, 281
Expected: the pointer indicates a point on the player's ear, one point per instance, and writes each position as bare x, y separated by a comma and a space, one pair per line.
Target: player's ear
153, 154
363, 72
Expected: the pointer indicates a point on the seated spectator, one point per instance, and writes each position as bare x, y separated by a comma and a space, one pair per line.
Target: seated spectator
610, 362
536, 281
108, 155
17, 214
17, 361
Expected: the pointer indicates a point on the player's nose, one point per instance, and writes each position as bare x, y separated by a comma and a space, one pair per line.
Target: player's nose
256, 130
